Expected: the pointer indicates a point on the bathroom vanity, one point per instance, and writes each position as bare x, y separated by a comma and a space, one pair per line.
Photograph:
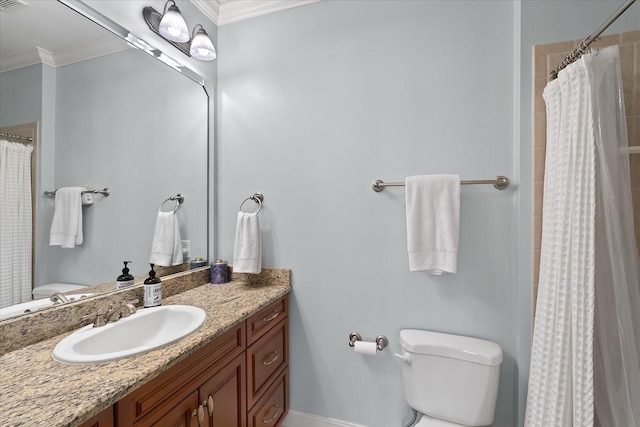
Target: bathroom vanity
244, 369
233, 371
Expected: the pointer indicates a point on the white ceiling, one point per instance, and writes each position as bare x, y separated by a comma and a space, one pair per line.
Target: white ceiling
40, 22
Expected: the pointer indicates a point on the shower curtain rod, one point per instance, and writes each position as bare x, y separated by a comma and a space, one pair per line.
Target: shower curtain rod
584, 44
18, 137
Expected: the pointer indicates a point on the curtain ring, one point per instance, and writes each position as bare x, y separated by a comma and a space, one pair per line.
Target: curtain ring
257, 197
178, 198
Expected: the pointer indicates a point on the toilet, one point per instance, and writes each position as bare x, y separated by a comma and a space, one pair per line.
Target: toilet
46, 291
451, 379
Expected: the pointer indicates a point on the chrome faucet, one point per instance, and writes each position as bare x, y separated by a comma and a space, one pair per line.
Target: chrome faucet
58, 298
125, 309
98, 320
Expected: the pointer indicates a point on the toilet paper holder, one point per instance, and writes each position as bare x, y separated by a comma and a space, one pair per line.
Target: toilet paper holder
381, 340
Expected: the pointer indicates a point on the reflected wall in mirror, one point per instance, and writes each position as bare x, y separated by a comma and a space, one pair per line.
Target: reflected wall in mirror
121, 120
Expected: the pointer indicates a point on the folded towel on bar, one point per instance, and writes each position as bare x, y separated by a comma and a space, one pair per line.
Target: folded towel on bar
433, 222
66, 227
247, 250
166, 248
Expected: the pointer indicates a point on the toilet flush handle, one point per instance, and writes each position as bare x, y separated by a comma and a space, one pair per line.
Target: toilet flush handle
406, 358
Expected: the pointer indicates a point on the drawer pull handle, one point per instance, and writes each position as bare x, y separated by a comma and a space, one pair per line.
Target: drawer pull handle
200, 415
273, 417
275, 357
273, 316
210, 405
196, 412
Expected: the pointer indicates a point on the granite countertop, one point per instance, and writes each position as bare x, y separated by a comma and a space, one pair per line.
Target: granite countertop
35, 390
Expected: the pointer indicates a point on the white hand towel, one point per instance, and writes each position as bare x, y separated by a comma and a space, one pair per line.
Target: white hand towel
247, 251
66, 227
166, 248
433, 222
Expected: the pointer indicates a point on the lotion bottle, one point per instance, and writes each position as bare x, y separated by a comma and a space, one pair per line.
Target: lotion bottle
152, 290
125, 279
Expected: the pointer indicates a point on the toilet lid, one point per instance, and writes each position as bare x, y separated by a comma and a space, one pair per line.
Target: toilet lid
427, 421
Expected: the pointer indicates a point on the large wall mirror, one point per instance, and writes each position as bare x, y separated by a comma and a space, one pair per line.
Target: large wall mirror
108, 115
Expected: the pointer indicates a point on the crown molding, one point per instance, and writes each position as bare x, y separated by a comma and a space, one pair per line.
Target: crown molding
210, 8
20, 60
78, 53
223, 12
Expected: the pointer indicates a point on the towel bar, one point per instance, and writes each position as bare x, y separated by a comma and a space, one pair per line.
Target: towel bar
105, 192
500, 182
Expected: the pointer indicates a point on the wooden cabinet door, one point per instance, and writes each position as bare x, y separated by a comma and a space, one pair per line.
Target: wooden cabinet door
103, 419
223, 396
180, 415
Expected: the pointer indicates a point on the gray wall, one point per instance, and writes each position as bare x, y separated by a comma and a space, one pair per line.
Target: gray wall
25, 84
317, 102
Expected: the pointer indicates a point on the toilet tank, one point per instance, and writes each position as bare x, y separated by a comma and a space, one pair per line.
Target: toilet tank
451, 377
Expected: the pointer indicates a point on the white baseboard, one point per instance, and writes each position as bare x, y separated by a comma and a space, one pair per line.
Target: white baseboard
301, 419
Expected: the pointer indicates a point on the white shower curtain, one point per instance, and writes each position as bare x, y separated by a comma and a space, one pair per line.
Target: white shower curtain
15, 223
584, 360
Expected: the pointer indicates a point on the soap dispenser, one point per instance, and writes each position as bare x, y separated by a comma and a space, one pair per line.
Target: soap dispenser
152, 289
125, 279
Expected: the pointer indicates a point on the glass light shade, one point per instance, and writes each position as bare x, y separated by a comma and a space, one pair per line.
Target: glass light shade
202, 47
173, 27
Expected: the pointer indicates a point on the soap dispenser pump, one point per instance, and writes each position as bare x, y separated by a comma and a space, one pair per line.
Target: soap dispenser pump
125, 279
152, 289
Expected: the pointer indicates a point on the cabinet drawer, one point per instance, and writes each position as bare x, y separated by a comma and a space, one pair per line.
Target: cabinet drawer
265, 359
272, 408
262, 321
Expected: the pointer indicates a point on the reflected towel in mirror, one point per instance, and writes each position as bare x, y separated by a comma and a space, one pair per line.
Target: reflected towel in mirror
166, 248
66, 227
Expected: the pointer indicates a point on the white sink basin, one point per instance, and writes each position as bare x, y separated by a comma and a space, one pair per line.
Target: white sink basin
147, 329
35, 305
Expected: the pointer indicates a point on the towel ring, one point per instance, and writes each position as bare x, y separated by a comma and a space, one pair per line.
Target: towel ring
257, 197
178, 198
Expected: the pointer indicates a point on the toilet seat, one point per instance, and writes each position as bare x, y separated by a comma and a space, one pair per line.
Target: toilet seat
427, 421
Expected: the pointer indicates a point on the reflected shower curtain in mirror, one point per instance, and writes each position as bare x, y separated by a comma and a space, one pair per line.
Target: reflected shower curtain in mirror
15, 223
585, 369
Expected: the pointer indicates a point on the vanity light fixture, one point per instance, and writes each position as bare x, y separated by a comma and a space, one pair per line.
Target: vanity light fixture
172, 25
172, 30
201, 46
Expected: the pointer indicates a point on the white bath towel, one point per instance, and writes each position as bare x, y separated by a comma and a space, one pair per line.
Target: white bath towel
433, 222
66, 227
247, 251
166, 249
